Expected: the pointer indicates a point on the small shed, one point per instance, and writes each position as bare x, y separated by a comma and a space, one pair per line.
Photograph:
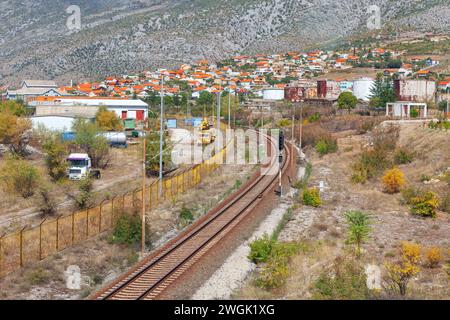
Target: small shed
405, 109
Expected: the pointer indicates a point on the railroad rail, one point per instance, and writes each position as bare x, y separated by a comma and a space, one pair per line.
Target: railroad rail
150, 277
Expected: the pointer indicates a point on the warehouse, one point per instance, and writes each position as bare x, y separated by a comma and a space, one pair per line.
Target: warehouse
88, 107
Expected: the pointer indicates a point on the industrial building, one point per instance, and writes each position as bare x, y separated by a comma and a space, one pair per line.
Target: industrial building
415, 90
33, 88
87, 107
362, 88
273, 94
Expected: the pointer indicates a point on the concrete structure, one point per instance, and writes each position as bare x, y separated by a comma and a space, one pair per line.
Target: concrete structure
273, 94
402, 109
88, 107
328, 89
53, 123
415, 90
362, 87
33, 88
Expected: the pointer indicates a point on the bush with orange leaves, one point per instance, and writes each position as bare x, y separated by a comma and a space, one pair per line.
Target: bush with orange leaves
433, 256
393, 180
404, 270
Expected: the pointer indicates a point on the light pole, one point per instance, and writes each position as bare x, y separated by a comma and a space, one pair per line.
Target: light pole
218, 119
161, 138
229, 109
144, 154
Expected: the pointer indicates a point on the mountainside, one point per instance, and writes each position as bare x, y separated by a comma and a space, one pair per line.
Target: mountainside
120, 36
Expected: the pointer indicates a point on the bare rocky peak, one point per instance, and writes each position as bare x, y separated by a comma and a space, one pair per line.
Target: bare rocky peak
120, 36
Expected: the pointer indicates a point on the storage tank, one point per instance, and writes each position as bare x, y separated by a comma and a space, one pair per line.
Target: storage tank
362, 88
116, 139
273, 94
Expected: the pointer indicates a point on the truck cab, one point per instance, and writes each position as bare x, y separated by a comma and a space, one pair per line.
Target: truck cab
79, 166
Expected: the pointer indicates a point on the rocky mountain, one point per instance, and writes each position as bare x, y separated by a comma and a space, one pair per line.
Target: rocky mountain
120, 36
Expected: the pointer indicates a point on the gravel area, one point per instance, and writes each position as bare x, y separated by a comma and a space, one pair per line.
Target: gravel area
236, 268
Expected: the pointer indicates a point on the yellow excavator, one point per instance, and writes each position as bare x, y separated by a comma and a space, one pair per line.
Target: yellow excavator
206, 134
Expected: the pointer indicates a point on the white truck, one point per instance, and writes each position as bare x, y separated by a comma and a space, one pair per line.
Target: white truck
80, 167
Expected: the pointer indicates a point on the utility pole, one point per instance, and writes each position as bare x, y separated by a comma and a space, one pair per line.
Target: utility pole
229, 109
161, 139
218, 119
144, 155
301, 125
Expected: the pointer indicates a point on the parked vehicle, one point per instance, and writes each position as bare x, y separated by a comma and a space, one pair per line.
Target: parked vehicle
116, 139
80, 167
206, 134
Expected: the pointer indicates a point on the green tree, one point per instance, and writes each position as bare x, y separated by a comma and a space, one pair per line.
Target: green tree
89, 139
358, 228
55, 158
205, 99
382, 92
347, 101
152, 161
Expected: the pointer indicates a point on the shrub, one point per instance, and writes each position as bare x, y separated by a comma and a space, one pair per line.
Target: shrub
39, 277
85, 193
47, 204
393, 180
89, 140
345, 281
260, 249
370, 165
275, 272
414, 113
409, 193
55, 158
385, 138
403, 156
425, 205
403, 271
433, 256
20, 177
282, 123
186, 216
326, 145
108, 120
311, 197
14, 132
128, 230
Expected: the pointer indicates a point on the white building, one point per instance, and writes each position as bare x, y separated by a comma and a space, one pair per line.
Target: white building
88, 107
402, 109
273, 94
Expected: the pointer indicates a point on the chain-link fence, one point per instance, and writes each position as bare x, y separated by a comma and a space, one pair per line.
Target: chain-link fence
30, 245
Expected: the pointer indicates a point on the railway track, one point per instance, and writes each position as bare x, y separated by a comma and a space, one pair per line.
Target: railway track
149, 278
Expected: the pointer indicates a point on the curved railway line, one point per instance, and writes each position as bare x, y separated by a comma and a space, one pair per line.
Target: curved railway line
150, 277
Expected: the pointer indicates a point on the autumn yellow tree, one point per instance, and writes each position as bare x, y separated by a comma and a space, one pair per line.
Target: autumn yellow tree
108, 120
14, 132
393, 180
404, 270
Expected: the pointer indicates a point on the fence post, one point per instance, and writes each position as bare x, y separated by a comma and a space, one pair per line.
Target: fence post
1, 255
73, 228
57, 234
100, 218
87, 223
21, 247
40, 239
